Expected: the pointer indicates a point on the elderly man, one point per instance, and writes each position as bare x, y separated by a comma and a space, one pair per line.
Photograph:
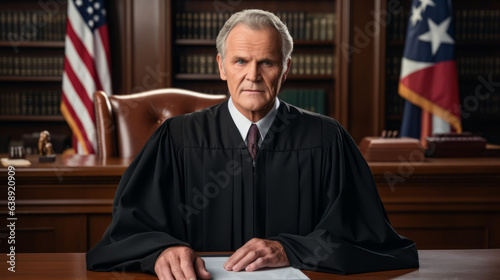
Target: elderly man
276, 184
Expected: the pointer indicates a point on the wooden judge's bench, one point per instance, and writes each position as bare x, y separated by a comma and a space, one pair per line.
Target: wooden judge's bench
440, 203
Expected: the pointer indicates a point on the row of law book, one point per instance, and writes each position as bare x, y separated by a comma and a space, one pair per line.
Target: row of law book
302, 25
469, 25
198, 64
309, 99
486, 105
477, 25
302, 64
31, 25
310, 26
31, 65
474, 66
312, 64
467, 66
30, 103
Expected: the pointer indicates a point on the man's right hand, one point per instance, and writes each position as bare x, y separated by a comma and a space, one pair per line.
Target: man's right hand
180, 263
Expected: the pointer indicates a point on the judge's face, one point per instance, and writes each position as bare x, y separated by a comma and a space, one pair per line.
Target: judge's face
253, 69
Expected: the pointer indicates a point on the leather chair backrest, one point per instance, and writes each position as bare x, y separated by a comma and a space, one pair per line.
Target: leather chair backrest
125, 122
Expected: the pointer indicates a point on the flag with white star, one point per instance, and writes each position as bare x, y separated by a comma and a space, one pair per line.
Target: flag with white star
87, 68
428, 78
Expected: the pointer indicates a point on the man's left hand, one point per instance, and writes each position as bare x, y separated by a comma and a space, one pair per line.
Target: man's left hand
257, 253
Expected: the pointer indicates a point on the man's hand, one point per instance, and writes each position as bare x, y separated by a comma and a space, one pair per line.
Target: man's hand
180, 263
257, 253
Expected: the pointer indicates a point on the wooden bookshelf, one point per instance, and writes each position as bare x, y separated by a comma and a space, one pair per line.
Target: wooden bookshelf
31, 57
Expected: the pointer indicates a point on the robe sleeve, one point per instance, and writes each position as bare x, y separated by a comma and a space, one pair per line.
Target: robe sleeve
354, 234
143, 224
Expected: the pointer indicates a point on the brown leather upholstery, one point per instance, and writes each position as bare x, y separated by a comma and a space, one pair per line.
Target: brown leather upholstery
125, 122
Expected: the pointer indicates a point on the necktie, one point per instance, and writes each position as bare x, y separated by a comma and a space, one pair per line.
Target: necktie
252, 140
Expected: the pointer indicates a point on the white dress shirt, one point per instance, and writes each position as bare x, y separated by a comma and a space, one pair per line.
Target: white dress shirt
243, 124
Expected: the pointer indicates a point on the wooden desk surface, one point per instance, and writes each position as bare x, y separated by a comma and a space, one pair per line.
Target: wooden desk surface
439, 166
74, 165
116, 166
434, 264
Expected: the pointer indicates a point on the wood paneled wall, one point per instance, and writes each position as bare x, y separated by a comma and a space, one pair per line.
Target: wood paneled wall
140, 34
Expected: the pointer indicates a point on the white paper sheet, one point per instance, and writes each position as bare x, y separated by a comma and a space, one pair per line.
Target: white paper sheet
214, 266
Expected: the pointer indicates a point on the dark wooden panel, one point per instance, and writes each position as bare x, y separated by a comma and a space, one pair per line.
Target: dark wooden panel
48, 233
55, 202
440, 203
97, 225
140, 37
42, 237
449, 229
446, 237
363, 114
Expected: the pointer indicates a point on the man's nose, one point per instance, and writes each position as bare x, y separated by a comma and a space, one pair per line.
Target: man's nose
253, 72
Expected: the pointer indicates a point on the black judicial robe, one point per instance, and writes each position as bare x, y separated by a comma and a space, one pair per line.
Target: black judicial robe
194, 184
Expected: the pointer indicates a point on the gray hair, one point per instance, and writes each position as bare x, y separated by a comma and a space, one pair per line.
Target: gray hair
257, 19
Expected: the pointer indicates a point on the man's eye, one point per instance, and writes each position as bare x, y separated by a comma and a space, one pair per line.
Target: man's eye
240, 61
267, 63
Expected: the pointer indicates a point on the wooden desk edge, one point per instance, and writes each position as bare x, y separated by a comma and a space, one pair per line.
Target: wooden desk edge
431, 260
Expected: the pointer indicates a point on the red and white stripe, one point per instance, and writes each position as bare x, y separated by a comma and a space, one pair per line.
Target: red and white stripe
86, 70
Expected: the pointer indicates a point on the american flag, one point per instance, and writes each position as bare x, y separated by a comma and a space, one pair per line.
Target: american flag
428, 78
87, 68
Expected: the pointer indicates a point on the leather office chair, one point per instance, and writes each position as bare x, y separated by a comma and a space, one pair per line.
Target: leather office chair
125, 122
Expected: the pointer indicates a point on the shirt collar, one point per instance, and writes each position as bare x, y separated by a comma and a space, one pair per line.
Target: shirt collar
243, 124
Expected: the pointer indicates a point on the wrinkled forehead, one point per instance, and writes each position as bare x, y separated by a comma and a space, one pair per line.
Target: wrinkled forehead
264, 40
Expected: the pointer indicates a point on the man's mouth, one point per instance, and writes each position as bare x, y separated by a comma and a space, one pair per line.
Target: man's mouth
252, 90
